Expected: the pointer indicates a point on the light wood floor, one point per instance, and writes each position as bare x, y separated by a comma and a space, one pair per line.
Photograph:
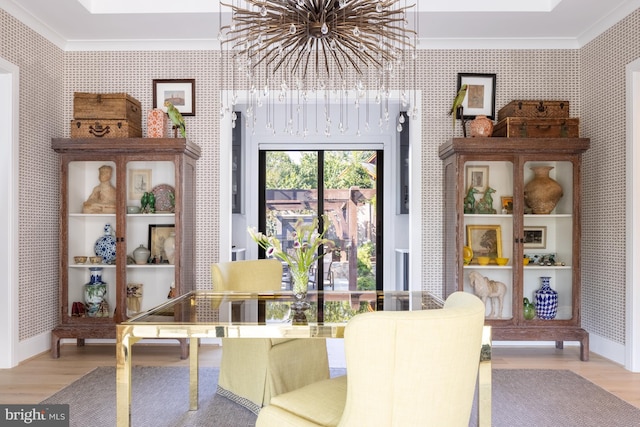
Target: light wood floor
38, 378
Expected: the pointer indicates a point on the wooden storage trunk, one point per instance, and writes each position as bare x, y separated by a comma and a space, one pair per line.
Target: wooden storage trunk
104, 129
522, 127
535, 109
107, 106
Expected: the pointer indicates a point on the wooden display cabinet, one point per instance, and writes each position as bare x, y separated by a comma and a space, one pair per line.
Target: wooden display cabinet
138, 164
504, 164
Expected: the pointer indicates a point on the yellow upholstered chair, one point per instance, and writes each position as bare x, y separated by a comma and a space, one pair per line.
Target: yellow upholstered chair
252, 371
414, 368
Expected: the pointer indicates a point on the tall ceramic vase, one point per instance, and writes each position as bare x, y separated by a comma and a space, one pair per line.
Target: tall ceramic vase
546, 300
542, 193
300, 280
95, 292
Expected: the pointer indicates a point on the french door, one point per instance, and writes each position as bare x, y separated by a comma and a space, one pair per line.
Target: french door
345, 186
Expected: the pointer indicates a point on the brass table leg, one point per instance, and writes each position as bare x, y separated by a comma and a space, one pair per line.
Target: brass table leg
193, 373
484, 380
124, 342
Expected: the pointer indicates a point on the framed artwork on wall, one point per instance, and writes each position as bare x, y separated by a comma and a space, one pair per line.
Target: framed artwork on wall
481, 95
181, 93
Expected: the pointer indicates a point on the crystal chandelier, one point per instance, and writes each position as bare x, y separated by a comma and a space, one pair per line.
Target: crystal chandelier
327, 53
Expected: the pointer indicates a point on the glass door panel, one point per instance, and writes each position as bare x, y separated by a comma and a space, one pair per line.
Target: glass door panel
548, 237
347, 198
488, 231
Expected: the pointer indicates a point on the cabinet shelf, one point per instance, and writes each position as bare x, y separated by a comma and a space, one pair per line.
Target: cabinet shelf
506, 165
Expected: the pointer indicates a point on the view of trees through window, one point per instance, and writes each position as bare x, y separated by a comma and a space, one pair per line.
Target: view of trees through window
347, 196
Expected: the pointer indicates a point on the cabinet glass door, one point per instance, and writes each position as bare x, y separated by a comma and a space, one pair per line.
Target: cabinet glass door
548, 238
149, 280
91, 215
488, 235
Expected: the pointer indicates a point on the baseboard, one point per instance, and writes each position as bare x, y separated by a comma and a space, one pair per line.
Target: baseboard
34, 346
608, 349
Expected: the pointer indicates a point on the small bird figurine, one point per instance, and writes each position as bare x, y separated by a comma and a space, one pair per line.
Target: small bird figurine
457, 103
176, 117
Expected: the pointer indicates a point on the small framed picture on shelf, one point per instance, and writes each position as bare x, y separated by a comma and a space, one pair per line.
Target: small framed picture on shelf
485, 240
139, 183
481, 95
181, 93
535, 237
158, 233
507, 204
477, 177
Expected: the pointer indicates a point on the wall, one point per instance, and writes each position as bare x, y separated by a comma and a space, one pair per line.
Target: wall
592, 79
41, 79
602, 78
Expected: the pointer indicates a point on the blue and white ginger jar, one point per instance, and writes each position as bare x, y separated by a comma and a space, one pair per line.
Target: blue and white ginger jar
105, 246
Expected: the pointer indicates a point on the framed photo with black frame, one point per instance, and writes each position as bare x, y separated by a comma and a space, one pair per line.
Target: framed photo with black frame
158, 233
481, 95
181, 93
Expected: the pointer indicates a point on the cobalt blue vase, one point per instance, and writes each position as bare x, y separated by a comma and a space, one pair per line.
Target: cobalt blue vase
546, 300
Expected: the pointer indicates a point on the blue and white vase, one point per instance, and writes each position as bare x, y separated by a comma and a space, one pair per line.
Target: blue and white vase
95, 292
105, 246
546, 300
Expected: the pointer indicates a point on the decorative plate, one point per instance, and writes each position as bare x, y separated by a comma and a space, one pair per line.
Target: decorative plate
163, 194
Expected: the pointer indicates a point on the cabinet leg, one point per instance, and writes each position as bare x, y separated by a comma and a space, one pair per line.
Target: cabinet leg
560, 344
184, 349
584, 349
55, 346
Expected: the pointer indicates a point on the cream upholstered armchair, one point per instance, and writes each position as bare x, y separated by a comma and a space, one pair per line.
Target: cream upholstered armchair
253, 370
416, 368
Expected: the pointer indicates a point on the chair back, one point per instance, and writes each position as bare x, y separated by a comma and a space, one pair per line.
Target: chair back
415, 368
247, 275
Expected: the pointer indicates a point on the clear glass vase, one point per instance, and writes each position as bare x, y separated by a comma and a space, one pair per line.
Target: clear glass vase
300, 279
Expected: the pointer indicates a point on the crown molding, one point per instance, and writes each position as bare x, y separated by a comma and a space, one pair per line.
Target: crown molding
608, 21
498, 43
142, 45
35, 24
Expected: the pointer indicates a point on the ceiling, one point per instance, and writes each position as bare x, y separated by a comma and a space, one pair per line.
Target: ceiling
473, 24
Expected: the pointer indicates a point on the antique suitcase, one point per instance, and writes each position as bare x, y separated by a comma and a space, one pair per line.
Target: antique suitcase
535, 109
104, 129
523, 127
107, 106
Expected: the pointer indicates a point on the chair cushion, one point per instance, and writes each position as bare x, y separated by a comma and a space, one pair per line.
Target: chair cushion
321, 403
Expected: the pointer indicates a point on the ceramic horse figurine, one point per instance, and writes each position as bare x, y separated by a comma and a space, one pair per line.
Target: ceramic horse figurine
492, 290
470, 201
485, 205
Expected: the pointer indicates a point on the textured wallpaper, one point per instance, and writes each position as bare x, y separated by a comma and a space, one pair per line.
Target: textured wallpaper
41, 80
581, 76
602, 77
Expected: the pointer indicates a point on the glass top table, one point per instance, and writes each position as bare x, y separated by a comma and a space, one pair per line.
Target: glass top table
208, 314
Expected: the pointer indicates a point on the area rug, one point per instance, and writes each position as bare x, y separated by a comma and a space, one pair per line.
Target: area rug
160, 398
